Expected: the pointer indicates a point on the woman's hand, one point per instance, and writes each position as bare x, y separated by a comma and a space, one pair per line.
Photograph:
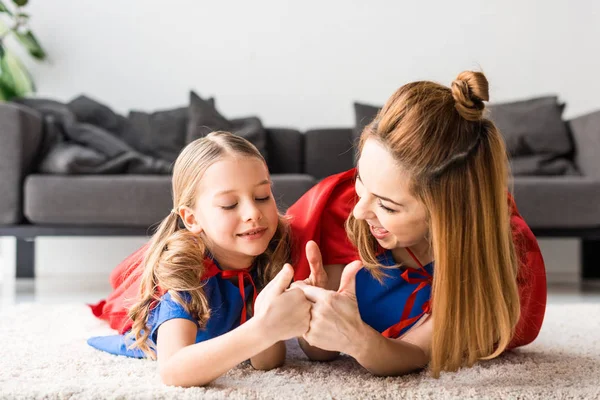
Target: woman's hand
285, 314
335, 322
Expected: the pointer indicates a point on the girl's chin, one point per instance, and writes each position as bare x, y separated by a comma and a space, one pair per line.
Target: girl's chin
254, 250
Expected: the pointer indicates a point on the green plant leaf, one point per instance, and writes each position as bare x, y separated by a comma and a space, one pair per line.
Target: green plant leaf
4, 9
20, 3
6, 92
14, 78
31, 44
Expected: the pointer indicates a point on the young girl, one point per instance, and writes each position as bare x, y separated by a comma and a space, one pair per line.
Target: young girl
452, 274
195, 285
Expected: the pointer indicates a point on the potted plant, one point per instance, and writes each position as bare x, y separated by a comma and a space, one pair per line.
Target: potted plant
15, 80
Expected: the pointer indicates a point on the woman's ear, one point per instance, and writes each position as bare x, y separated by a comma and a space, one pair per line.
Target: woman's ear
189, 219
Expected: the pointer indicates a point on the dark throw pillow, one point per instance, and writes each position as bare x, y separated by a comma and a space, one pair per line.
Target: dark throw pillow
204, 118
533, 126
160, 134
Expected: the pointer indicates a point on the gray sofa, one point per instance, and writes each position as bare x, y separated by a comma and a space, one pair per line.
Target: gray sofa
33, 204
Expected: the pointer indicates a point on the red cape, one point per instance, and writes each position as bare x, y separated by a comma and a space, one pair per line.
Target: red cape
125, 280
320, 214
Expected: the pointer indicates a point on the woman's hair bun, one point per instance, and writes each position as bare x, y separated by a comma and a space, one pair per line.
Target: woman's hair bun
470, 90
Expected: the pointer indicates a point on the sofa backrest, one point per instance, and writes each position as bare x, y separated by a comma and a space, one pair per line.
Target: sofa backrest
285, 151
585, 131
328, 151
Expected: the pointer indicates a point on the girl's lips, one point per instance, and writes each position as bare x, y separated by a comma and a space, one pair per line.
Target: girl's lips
253, 234
379, 233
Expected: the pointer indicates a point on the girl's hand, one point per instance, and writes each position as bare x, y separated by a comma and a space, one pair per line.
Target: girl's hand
335, 322
284, 313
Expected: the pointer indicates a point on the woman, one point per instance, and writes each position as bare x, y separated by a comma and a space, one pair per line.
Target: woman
452, 274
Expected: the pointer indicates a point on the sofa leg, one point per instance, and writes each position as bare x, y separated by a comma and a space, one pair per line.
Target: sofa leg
25, 258
590, 259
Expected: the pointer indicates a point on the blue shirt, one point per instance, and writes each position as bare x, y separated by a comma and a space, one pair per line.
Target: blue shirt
381, 304
225, 305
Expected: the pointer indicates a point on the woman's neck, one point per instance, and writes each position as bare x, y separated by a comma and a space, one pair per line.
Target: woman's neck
421, 250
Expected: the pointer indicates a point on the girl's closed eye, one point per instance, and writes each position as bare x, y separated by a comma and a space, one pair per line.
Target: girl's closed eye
259, 199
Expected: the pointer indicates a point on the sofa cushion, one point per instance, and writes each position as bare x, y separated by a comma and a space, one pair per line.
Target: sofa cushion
558, 201
121, 200
160, 134
251, 129
287, 188
533, 126
91, 111
204, 118
328, 151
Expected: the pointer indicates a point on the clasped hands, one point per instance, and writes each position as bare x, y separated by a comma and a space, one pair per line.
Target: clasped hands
326, 319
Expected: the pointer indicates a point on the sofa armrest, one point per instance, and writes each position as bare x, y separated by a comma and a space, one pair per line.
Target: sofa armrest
20, 139
328, 151
586, 134
285, 149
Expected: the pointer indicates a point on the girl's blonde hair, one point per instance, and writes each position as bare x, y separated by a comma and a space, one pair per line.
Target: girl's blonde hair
458, 165
175, 258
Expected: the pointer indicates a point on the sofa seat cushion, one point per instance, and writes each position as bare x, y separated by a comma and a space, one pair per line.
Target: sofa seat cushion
121, 200
558, 201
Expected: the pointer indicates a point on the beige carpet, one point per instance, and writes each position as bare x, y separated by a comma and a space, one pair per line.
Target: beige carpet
43, 354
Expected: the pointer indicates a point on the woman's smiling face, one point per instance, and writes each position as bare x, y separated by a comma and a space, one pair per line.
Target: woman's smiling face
395, 217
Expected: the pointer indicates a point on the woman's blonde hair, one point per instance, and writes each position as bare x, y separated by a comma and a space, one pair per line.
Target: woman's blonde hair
458, 165
174, 261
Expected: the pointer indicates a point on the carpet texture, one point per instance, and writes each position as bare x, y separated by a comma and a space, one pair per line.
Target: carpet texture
44, 355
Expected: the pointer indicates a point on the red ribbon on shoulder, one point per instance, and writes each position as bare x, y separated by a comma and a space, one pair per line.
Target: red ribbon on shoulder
242, 276
423, 280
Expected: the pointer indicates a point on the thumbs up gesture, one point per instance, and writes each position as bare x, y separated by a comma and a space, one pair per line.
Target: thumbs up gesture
284, 313
318, 276
335, 319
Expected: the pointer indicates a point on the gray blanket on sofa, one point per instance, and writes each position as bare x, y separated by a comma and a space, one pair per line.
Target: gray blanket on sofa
73, 145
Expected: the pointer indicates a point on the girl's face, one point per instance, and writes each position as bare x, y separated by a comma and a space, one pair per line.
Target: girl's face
235, 212
395, 217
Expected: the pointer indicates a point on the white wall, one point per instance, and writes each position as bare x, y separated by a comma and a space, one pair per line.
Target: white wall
303, 63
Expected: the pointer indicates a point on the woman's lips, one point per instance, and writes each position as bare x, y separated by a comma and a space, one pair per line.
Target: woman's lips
379, 233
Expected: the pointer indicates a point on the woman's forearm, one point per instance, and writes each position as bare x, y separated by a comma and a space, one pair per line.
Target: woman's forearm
386, 357
270, 358
315, 353
201, 363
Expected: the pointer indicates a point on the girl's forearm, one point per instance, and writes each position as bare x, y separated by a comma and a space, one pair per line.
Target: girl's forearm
386, 357
270, 358
201, 363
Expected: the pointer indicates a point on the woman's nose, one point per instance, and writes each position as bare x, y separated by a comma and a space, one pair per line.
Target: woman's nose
362, 209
